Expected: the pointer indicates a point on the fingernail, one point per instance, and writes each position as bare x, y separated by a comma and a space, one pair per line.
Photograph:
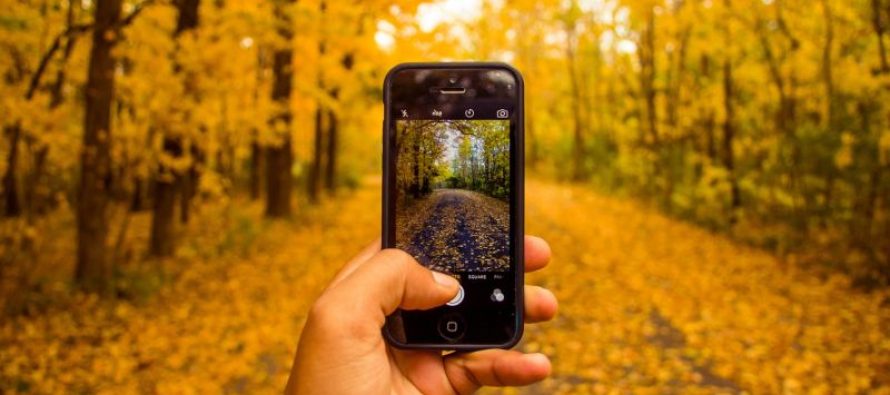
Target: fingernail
445, 280
537, 358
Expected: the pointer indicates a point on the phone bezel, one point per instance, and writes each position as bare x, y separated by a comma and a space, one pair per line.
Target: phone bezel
517, 174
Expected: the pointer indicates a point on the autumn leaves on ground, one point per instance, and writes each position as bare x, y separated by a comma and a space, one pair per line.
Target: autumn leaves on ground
455, 230
648, 305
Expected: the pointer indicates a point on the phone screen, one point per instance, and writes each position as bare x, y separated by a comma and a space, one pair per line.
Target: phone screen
452, 194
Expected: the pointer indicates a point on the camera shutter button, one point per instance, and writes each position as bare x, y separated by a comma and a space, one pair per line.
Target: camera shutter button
457, 299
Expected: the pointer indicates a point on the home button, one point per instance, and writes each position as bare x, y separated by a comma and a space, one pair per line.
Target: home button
452, 327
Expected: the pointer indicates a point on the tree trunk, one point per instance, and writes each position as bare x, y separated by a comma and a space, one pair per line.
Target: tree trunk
162, 223
36, 195
729, 126
93, 271
314, 182
829, 111
647, 75
418, 162
315, 167
278, 182
334, 132
257, 152
578, 146
162, 230
879, 27
728, 137
188, 179
827, 75
167, 180
256, 165
330, 172
279, 158
140, 192
10, 185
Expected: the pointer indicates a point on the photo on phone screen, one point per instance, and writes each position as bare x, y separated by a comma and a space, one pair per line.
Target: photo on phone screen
453, 185
453, 198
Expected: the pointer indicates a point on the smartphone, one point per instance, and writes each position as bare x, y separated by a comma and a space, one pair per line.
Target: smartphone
453, 198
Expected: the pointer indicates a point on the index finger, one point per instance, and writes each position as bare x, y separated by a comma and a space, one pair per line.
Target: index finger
537, 253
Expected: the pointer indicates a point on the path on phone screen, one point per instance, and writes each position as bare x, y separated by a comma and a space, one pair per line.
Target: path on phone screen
647, 305
461, 230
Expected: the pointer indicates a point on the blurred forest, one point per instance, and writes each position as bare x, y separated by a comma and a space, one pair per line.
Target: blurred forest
168, 165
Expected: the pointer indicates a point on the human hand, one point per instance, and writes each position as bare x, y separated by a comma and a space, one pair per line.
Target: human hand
342, 350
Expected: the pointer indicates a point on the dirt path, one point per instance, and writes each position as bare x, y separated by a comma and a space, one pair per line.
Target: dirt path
460, 230
649, 304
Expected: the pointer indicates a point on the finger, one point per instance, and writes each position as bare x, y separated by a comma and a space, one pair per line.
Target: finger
540, 304
389, 280
537, 253
356, 261
468, 372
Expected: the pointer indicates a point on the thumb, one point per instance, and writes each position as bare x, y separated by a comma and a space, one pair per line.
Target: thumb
392, 279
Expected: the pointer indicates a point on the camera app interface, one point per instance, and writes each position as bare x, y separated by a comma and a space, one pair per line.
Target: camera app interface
452, 208
453, 214
451, 136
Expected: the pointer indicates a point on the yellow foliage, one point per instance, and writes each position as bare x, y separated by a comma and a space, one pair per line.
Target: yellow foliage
748, 97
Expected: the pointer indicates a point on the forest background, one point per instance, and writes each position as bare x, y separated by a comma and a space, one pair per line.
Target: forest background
142, 140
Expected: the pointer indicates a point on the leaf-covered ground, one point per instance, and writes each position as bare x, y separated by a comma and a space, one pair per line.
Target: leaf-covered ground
648, 305
456, 230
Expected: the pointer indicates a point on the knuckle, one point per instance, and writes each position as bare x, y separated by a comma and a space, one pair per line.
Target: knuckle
339, 316
323, 310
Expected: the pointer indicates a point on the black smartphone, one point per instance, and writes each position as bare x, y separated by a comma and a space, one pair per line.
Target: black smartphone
453, 198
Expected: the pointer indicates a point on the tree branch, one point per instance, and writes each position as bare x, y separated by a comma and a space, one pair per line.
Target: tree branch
70, 33
127, 20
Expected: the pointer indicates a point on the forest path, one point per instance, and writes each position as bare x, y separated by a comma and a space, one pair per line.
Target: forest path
462, 231
647, 305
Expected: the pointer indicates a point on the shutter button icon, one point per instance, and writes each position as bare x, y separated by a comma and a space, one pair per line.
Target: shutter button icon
457, 298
